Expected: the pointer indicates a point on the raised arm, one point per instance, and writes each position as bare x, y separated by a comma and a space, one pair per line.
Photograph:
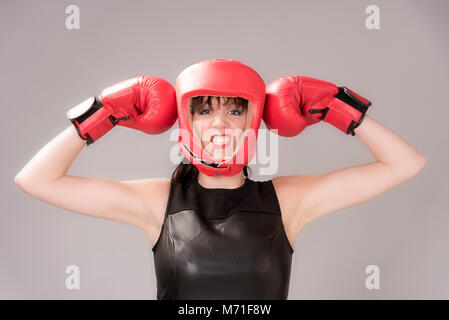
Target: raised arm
44, 178
296, 102
396, 162
142, 103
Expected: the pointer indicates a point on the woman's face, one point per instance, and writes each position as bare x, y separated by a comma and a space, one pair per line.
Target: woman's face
219, 124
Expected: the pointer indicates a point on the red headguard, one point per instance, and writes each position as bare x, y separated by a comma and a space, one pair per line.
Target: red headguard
227, 78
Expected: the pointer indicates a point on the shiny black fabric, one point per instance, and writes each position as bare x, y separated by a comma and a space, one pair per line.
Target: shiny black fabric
222, 244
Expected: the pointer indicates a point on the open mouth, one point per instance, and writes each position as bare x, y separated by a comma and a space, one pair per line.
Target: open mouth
220, 141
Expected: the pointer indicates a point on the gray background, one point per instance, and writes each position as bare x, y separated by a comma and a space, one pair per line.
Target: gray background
402, 68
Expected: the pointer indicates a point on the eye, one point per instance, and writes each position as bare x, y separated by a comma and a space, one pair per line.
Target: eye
204, 111
236, 112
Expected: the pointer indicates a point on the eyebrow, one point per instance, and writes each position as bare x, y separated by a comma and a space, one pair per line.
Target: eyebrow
227, 105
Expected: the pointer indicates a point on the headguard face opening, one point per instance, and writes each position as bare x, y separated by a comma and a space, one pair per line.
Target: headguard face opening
219, 78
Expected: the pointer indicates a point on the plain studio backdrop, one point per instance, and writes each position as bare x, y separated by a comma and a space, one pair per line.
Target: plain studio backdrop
402, 67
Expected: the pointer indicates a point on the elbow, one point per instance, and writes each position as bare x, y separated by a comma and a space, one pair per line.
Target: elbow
422, 163
23, 183
410, 168
419, 166
27, 186
20, 181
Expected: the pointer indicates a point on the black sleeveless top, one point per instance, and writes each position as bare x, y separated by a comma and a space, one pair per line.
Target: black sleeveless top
222, 244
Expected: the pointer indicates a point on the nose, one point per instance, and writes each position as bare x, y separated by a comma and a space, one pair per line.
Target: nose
220, 119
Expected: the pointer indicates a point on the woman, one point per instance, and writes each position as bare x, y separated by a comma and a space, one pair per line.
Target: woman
217, 234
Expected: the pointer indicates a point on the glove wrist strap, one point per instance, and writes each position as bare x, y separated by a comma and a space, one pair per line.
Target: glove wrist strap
91, 120
347, 110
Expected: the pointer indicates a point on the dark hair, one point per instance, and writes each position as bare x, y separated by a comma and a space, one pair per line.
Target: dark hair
199, 102
186, 171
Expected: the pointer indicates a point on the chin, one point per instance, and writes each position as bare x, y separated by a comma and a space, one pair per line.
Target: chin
220, 158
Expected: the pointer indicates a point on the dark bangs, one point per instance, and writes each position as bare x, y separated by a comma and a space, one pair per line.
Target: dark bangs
201, 102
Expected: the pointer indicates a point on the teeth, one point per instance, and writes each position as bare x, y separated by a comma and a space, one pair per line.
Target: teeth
219, 140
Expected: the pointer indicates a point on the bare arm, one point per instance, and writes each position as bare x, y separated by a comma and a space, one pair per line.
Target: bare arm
306, 198
396, 162
389, 148
44, 177
54, 159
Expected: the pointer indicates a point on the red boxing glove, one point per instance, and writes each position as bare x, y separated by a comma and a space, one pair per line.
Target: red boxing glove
295, 102
144, 103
